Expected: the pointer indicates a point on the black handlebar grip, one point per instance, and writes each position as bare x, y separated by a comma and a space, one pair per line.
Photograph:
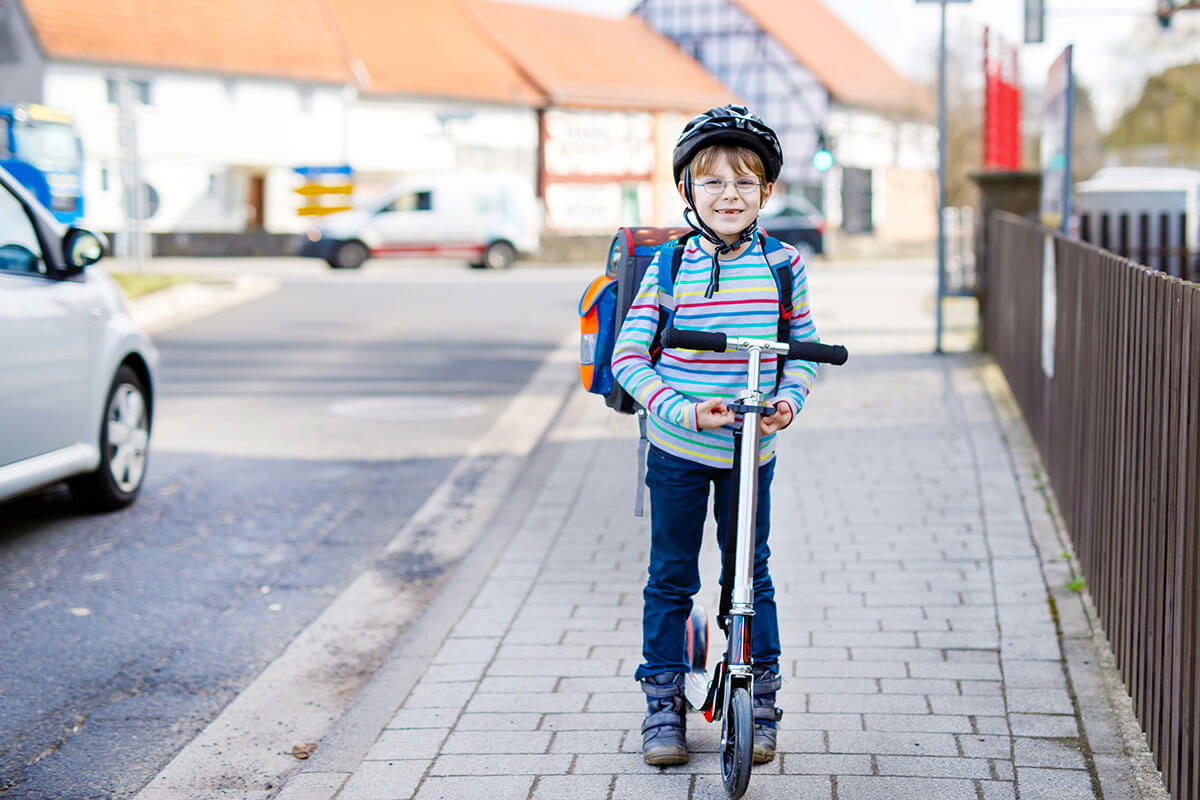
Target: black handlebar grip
813, 351
694, 340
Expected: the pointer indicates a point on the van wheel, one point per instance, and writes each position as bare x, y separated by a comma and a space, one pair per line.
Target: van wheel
499, 255
124, 448
349, 255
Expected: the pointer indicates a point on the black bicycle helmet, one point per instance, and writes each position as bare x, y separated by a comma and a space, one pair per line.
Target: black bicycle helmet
730, 124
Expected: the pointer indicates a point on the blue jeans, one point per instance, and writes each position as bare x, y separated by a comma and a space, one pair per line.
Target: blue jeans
678, 509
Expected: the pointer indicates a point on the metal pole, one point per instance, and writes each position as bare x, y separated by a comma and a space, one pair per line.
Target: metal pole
941, 233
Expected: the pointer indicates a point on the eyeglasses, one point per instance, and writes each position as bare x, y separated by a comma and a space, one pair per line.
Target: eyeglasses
717, 186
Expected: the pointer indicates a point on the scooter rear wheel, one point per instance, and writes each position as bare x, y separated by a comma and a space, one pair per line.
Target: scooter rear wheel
737, 743
696, 652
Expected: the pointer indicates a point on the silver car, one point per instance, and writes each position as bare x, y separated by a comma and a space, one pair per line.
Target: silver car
76, 375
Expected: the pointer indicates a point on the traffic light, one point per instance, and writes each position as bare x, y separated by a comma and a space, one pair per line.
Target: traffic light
822, 158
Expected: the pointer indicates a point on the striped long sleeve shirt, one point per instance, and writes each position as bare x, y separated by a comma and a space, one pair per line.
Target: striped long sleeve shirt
746, 305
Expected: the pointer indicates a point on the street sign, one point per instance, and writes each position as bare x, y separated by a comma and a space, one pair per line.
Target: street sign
1056, 143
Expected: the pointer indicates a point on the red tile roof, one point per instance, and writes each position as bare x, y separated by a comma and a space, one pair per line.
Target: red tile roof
283, 38
853, 72
583, 60
430, 48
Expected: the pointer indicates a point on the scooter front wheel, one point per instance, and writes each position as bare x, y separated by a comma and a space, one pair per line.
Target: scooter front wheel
737, 743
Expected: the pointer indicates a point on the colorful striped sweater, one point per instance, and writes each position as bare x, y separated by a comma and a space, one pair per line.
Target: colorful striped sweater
747, 305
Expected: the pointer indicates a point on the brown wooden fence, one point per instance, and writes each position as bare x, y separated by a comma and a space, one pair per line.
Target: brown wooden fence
1118, 426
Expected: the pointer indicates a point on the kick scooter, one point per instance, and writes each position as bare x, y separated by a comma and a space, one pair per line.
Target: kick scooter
727, 695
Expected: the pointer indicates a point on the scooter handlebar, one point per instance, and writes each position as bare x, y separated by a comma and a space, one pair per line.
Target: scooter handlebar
694, 340
814, 351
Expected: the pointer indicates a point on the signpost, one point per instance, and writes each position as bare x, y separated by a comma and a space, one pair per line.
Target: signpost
941, 243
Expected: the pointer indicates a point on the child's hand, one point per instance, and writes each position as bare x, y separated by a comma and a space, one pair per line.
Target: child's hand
777, 421
713, 414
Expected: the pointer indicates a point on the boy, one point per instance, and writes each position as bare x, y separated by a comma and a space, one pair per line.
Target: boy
726, 162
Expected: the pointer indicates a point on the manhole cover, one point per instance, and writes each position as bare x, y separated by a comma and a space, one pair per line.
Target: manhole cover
405, 409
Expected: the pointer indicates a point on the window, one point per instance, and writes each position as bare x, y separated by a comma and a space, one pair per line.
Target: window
139, 89
410, 201
19, 247
856, 200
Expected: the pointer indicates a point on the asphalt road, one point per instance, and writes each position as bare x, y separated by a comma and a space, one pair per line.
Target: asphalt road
293, 437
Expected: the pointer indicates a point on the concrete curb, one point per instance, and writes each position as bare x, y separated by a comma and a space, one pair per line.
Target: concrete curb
1122, 760
188, 302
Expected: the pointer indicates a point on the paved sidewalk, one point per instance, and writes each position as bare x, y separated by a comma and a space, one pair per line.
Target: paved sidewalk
931, 649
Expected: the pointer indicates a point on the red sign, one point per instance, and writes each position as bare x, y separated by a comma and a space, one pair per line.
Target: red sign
1001, 107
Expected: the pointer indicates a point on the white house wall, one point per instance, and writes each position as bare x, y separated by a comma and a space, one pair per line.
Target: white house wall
203, 137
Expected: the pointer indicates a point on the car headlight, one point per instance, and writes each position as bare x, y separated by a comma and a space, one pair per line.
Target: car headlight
314, 235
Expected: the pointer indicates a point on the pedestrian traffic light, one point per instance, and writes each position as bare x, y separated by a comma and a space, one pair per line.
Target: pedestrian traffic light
822, 158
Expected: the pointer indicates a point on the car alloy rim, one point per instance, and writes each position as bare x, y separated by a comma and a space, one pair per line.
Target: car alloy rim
128, 435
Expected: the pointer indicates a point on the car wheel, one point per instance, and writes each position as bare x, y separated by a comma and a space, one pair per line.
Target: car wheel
349, 255
499, 255
124, 447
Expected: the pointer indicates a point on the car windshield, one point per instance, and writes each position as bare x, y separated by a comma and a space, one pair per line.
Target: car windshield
49, 146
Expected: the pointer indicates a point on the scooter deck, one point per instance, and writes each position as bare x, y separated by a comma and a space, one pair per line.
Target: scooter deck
701, 691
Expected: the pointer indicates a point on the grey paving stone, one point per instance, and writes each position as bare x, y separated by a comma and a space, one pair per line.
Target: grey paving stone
1030, 647
902, 788
423, 718
548, 702
499, 721
587, 742
504, 787
873, 639
615, 764
837, 685
1040, 701
1058, 726
1054, 784
766, 787
592, 721
639, 787
983, 705
1003, 770
1061, 753
501, 764
850, 669
526, 684
565, 667
572, 787
868, 703
384, 780
439, 695
797, 719
541, 651
934, 767
897, 743
825, 764
996, 790
954, 670
992, 725
919, 686
492, 742
981, 687
405, 744
960, 640
467, 650
928, 723
986, 745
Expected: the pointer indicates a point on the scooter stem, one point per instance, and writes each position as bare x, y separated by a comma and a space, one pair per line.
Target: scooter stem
743, 572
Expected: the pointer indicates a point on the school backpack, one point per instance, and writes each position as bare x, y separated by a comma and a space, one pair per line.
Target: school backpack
606, 301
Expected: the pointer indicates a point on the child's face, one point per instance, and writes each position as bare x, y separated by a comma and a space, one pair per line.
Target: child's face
729, 212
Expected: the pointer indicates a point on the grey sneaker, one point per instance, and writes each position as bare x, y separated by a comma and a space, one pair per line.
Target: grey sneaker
766, 715
664, 743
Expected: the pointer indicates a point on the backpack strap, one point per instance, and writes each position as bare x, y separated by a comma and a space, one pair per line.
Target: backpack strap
666, 290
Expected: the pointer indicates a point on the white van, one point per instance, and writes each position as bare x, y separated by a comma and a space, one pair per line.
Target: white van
485, 218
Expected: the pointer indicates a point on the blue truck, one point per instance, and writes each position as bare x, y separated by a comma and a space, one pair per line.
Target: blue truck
40, 148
